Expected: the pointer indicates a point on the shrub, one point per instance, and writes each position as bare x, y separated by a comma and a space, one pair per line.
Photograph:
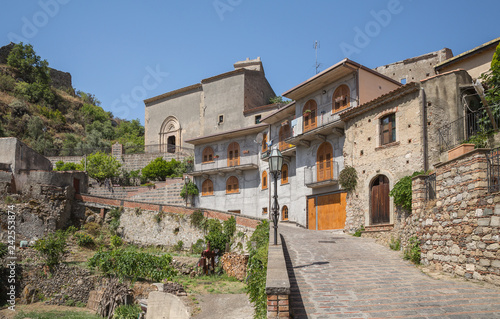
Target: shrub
35, 92
69, 166
133, 265
395, 244
402, 191
189, 189
229, 226
348, 178
127, 312
3, 250
198, 220
52, 247
159, 169
115, 215
412, 250
257, 269
198, 247
101, 166
216, 237
116, 241
92, 228
7, 83
84, 240
178, 247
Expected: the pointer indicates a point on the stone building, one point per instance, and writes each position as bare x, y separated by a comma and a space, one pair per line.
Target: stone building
393, 136
225, 102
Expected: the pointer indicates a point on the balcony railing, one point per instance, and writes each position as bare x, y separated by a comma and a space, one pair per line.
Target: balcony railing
458, 131
221, 164
321, 175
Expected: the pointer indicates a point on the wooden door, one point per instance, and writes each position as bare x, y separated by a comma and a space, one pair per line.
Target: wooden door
324, 162
311, 213
309, 115
233, 154
380, 209
328, 210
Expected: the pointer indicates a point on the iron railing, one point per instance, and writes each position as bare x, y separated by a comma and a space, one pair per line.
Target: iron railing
430, 187
493, 159
245, 159
462, 129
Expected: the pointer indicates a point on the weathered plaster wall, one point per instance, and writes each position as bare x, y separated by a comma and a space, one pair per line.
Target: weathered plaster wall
475, 65
20, 157
417, 68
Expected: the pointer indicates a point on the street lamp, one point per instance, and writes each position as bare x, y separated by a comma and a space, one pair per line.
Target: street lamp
275, 164
186, 182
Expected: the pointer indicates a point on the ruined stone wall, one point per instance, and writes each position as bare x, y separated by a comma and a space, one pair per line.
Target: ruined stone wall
459, 231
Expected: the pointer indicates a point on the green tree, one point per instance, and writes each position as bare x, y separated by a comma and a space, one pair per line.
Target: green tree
88, 98
159, 169
31, 67
92, 113
101, 166
492, 81
189, 189
52, 247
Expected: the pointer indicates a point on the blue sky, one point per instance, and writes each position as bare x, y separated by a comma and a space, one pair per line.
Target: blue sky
125, 51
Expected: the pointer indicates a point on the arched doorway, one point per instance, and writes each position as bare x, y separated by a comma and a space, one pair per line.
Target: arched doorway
284, 213
379, 200
170, 135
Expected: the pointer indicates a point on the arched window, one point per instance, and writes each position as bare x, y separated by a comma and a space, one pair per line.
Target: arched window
207, 188
379, 198
284, 213
285, 133
232, 185
264, 180
341, 98
233, 154
208, 155
324, 163
264, 143
309, 115
284, 174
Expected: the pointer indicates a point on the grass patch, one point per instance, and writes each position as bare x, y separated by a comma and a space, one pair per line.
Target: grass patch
222, 284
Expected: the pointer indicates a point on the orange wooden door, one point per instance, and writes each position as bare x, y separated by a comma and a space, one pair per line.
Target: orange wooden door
331, 211
233, 154
309, 115
324, 162
311, 213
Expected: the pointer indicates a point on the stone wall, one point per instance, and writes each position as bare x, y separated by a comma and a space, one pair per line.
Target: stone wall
459, 231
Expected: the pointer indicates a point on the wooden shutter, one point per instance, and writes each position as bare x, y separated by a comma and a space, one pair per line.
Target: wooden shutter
233, 154
324, 162
341, 98
309, 115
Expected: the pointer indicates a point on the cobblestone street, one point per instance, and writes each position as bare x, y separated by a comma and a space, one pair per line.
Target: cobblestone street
334, 275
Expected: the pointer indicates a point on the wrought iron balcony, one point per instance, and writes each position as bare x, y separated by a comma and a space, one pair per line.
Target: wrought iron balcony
327, 124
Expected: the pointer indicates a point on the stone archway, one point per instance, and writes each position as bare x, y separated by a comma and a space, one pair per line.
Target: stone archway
170, 135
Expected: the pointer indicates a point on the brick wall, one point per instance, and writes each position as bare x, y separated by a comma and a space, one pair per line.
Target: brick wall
459, 231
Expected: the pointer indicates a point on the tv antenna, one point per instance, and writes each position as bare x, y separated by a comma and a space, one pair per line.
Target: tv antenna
316, 47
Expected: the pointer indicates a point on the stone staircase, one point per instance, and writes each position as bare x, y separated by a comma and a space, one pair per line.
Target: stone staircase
167, 192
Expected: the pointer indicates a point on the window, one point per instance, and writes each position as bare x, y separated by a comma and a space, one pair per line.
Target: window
283, 135
257, 118
264, 180
284, 213
264, 210
284, 174
207, 188
237, 211
309, 115
388, 129
403, 81
264, 143
233, 154
232, 185
341, 98
324, 162
221, 119
208, 155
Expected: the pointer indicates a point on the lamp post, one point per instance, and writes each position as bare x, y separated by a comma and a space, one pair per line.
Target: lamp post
275, 164
186, 181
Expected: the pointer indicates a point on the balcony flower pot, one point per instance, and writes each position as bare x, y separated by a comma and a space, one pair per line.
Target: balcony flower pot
460, 150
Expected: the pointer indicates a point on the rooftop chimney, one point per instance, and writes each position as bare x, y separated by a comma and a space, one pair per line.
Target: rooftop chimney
254, 65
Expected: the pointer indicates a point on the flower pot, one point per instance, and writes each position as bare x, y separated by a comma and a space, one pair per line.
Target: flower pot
460, 150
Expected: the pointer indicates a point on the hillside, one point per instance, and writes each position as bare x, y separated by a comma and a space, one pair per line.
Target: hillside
56, 121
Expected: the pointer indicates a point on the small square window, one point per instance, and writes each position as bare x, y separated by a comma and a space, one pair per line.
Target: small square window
264, 210
403, 81
221, 119
257, 118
